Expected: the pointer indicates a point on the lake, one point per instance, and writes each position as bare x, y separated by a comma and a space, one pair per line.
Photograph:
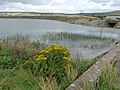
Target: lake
81, 40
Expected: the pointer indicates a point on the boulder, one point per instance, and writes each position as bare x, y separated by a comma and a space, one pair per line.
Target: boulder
81, 21
98, 23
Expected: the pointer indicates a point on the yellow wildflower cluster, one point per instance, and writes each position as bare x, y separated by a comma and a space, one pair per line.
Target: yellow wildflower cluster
54, 48
40, 57
54, 58
66, 59
43, 55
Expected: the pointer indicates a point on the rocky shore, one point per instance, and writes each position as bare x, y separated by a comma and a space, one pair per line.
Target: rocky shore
69, 18
98, 23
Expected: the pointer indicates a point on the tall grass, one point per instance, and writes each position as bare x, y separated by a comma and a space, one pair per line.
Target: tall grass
109, 80
19, 79
17, 50
81, 40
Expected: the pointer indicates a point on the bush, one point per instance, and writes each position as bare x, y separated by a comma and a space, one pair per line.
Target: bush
7, 61
53, 61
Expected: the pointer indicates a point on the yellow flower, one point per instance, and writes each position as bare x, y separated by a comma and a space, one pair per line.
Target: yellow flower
43, 51
52, 51
53, 45
66, 59
65, 53
39, 57
57, 49
62, 47
44, 58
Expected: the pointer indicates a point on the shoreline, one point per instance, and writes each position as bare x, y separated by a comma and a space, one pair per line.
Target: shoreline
88, 21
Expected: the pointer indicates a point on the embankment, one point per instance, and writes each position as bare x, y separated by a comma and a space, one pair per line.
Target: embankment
91, 76
69, 18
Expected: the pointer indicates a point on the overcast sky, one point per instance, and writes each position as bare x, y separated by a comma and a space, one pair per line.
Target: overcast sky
59, 6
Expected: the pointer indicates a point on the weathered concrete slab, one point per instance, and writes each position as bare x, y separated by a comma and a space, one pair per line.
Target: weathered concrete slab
118, 64
117, 25
91, 76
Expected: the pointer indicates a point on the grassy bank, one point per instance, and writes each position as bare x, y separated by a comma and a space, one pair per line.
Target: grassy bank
20, 79
49, 16
109, 80
26, 65
33, 65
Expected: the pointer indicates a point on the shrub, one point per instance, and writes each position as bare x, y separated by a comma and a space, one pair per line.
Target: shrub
53, 61
7, 61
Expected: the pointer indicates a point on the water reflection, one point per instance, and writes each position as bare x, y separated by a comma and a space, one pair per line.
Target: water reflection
88, 42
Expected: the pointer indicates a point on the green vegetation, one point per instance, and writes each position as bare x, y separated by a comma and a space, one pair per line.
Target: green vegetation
109, 80
26, 65
29, 65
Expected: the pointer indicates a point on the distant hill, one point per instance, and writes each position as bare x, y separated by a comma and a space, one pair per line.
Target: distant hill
112, 13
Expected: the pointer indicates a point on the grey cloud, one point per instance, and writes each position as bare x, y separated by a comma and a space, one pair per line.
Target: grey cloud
2, 2
37, 2
100, 1
104, 4
116, 3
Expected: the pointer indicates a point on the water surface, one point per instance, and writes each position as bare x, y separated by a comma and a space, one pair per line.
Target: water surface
37, 28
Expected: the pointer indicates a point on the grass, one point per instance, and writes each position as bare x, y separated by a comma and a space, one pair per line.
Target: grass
15, 51
109, 80
19, 79
77, 40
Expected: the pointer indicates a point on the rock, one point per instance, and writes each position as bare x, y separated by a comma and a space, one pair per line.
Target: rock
117, 25
98, 23
81, 21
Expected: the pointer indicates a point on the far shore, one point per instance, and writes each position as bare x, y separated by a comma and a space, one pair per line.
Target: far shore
69, 18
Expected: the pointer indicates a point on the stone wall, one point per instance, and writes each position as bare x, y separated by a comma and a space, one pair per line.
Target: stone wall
91, 76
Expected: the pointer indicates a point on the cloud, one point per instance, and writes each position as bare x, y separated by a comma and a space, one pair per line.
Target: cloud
101, 1
18, 6
116, 3
61, 1
37, 5
37, 2
59, 6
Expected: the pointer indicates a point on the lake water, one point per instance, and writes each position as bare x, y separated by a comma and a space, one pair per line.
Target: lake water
89, 48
